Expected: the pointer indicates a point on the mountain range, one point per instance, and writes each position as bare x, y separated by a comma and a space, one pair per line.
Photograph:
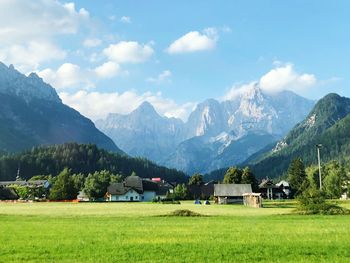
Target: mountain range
32, 114
217, 133
328, 124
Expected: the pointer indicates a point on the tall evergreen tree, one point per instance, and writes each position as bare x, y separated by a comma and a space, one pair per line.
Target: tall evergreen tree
297, 175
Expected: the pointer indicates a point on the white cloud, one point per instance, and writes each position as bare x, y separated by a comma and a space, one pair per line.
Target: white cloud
236, 90
107, 70
286, 78
125, 19
22, 21
128, 52
92, 42
28, 29
282, 77
163, 77
97, 105
194, 41
72, 76
28, 57
68, 75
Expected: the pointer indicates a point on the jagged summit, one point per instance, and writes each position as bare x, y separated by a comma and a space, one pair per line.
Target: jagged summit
12, 82
145, 108
216, 132
32, 114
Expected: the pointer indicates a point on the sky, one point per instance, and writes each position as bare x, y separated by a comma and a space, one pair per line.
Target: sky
109, 56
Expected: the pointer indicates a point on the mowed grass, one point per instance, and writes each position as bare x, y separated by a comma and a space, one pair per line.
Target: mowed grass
137, 232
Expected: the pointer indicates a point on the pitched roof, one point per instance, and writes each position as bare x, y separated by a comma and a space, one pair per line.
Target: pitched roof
134, 182
232, 189
149, 185
283, 183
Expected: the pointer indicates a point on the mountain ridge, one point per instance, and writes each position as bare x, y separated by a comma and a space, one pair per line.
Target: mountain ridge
213, 126
32, 114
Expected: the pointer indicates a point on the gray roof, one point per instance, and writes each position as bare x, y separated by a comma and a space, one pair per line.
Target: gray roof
232, 189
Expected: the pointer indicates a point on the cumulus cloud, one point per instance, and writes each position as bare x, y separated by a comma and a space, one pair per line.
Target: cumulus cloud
68, 75
72, 76
128, 52
97, 105
194, 41
125, 19
163, 77
107, 70
29, 56
27, 29
282, 77
92, 42
22, 21
286, 78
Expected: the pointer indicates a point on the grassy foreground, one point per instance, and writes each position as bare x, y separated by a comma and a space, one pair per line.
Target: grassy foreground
131, 232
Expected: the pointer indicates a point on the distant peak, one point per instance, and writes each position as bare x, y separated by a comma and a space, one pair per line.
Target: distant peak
33, 75
146, 108
145, 105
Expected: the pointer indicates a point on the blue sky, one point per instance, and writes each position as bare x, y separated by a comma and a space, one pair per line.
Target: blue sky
109, 56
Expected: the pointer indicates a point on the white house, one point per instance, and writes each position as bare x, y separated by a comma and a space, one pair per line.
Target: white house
133, 189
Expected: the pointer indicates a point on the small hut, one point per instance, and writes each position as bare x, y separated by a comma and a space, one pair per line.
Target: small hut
252, 200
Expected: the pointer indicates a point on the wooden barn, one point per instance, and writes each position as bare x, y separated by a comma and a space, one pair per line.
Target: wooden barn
231, 193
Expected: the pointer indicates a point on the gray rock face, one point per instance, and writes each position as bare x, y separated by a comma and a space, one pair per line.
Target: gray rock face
15, 83
144, 132
217, 134
32, 114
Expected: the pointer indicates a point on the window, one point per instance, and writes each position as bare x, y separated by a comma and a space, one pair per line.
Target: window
136, 197
127, 197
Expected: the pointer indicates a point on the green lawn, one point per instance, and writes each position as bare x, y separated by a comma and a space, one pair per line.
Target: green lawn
131, 232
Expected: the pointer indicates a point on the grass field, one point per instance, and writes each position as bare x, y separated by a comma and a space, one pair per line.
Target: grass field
136, 232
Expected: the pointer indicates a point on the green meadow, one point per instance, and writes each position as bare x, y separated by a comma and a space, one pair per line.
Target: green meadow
139, 232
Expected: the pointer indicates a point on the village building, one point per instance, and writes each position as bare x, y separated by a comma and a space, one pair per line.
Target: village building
252, 200
231, 193
271, 191
136, 189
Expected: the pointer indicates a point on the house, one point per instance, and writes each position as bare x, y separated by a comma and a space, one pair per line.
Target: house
164, 189
285, 187
132, 189
271, 191
231, 193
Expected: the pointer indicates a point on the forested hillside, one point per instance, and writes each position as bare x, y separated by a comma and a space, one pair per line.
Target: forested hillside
80, 158
328, 124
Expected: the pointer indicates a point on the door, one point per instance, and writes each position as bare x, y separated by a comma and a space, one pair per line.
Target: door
131, 198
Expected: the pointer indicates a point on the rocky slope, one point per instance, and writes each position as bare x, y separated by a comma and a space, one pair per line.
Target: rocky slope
31, 114
215, 135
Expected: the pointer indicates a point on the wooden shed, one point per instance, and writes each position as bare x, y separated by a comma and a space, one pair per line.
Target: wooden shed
252, 200
231, 193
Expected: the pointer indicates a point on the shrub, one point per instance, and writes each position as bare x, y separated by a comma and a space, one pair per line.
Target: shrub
313, 202
184, 212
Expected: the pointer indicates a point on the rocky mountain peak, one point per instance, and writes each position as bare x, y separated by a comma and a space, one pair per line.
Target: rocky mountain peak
12, 82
